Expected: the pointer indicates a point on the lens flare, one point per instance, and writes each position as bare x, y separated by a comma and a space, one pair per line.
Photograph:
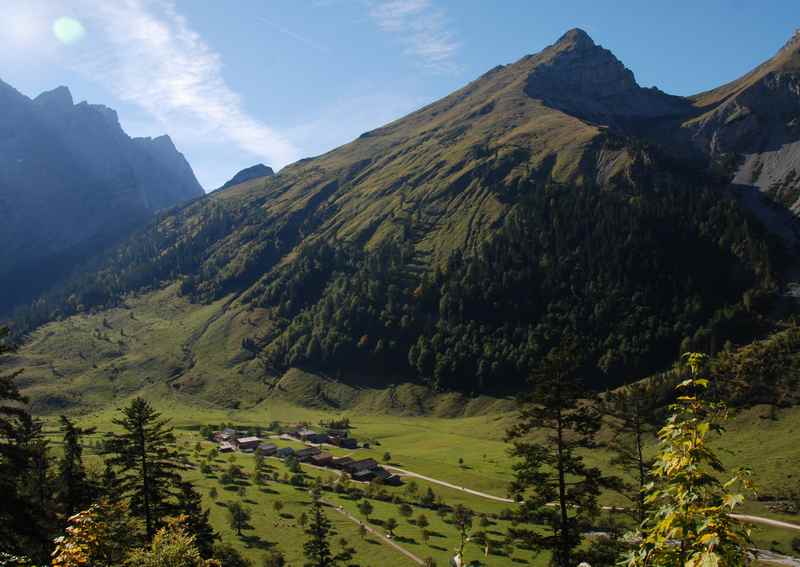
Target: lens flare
68, 30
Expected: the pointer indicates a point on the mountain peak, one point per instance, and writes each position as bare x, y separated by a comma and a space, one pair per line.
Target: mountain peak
794, 42
575, 38
252, 172
584, 79
789, 54
58, 98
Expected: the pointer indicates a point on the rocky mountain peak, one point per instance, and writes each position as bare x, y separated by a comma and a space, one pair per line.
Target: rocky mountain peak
582, 78
575, 39
794, 42
576, 65
59, 98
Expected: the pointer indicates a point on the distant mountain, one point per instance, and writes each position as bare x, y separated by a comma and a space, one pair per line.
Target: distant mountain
71, 180
454, 247
757, 119
254, 172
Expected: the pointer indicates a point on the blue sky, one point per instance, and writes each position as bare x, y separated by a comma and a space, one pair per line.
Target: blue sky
237, 82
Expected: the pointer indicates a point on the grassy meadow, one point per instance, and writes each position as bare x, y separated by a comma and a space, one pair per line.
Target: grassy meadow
188, 360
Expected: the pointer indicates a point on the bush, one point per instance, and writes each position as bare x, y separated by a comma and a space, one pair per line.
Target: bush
229, 557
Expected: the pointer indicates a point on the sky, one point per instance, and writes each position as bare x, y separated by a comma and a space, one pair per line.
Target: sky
238, 82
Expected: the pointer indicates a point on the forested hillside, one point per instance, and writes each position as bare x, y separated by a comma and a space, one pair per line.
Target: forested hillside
458, 245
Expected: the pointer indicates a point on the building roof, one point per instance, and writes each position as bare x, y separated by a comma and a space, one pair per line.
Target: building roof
322, 457
248, 440
265, 446
380, 472
308, 451
225, 446
366, 473
363, 464
344, 460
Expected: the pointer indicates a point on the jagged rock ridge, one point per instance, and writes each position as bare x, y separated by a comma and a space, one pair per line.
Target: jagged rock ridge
69, 174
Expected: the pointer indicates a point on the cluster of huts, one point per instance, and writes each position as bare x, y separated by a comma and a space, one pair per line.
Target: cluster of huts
363, 470
339, 437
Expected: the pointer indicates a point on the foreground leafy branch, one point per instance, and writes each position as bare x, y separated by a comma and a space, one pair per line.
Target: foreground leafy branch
689, 520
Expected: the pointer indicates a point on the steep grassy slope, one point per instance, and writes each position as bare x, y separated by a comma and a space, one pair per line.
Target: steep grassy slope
160, 340
451, 248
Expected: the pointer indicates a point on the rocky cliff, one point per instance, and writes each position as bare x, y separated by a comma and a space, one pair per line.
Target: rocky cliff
70, 179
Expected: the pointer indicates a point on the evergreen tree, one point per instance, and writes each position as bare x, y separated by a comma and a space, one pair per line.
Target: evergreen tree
196, 520
147, 463
632, 411
17, 524
551, 470
75, 491
36, 487
317, 547
238, 517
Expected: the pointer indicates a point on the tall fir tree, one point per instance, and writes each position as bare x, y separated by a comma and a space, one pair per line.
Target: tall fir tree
197, 522
17, 524
75, 490
551, 469
632, 413
36, 488
317, 548
146, 463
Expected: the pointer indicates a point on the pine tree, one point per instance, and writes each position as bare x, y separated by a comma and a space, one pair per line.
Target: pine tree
36, 487
75, 491
317, 548
16, 520
197, 522
551, 470
633, 423
238, 517
146, 463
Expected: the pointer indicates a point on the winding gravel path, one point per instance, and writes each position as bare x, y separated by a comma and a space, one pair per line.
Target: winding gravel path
385, 540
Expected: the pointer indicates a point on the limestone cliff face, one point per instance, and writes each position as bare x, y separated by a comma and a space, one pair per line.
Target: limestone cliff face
70, 176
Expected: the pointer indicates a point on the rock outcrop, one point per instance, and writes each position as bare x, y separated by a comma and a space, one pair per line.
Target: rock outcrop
253, 172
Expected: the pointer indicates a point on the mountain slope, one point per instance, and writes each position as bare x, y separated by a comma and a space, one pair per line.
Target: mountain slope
70, 179
455, 246
757, 119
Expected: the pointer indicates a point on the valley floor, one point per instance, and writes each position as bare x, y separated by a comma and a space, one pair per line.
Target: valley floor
464, 460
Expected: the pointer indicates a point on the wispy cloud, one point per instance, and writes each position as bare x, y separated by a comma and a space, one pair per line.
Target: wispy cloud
296, 36
422, 27
151, 57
